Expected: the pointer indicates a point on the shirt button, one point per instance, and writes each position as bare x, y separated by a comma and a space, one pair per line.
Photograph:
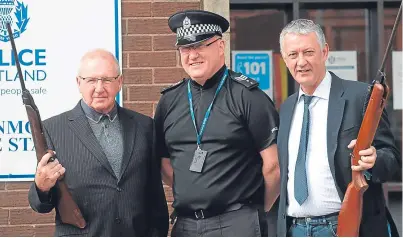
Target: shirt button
117, 220
119, 189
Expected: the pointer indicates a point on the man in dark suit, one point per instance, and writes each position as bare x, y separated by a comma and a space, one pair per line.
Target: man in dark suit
106, 155
318, 128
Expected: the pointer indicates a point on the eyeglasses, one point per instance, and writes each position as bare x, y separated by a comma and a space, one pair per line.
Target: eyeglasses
197, 47
93, 80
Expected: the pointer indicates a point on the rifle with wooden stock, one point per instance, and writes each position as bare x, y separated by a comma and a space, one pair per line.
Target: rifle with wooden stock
349, 218
68, 209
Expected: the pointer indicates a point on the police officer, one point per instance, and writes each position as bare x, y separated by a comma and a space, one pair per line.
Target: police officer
217, 137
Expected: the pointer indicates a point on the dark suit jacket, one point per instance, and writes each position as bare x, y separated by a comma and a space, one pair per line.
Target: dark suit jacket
133, 204
345, 113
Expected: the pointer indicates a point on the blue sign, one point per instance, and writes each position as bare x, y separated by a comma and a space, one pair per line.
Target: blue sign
256, 65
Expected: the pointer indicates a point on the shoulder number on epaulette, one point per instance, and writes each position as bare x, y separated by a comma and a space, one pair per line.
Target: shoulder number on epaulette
245, 81
175, 85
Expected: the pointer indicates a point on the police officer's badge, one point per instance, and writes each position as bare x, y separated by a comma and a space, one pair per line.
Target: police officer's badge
186, 23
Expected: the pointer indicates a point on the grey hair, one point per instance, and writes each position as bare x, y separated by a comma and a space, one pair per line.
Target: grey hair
303, 26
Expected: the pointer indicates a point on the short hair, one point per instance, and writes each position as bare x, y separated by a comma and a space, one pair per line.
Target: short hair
303, 26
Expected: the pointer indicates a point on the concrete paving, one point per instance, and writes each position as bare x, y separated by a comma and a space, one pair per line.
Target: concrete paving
395, 207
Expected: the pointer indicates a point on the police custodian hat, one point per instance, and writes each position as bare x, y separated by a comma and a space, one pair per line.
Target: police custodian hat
195, 26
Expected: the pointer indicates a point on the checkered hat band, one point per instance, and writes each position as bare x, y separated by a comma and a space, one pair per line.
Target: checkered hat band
198, 29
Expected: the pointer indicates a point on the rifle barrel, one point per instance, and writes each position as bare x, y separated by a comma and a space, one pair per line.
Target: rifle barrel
10, 33
385, 56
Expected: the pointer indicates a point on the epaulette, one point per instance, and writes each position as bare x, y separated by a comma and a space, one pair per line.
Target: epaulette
175, 85
244, 80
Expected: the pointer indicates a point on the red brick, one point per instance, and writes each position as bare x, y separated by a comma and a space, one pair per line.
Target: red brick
154, 108
28, 216
17, 231
168, 193
18, 185
166, 9
137, 76
169, 75
13, 199
124, 26
3, 217
164, 42
44, 230
148, 26
136, 43
143, 108
136, 9
152, 59
125, 57
170, 208
145, 93
124, 92
2, 185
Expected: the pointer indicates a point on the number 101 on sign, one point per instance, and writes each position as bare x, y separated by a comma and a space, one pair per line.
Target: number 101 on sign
255, 68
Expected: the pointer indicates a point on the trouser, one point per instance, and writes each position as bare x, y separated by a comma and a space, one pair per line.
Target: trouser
248, 221
323, 226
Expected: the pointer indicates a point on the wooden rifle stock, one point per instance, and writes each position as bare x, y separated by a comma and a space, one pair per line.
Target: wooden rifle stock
351, 210
68, 209
349, 219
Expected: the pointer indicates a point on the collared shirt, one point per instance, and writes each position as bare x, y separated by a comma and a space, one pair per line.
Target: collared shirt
107, 130
95, 116
322, 198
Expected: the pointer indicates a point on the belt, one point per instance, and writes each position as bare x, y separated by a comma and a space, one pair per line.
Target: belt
204, 214
312, 218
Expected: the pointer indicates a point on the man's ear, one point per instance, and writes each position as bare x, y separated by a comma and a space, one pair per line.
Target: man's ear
325, 51
120, 81
222, 46
284, 58
78, 83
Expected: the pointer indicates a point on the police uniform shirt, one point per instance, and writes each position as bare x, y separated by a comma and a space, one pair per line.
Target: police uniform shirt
243, 122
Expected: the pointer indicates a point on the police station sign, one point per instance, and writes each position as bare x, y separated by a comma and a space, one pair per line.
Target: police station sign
256, 65
51, 36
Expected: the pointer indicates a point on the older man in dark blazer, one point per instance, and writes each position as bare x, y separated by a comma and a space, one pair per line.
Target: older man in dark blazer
318, 128
106, 155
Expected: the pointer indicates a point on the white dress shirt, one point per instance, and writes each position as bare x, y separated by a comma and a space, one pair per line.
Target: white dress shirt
322, 198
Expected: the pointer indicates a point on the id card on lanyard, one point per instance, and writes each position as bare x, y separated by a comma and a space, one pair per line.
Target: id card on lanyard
200, 155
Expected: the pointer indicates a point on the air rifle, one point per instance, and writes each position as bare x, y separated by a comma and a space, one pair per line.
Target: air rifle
349, 218
68, 210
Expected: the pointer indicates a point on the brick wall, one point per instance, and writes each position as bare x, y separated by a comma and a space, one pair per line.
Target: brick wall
150, 62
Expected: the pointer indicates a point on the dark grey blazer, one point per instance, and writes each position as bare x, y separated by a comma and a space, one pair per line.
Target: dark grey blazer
133, 204
346, 107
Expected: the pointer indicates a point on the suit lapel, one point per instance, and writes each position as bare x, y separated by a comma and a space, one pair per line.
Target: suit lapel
129, 128
286, 119
80, 126
334, 119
